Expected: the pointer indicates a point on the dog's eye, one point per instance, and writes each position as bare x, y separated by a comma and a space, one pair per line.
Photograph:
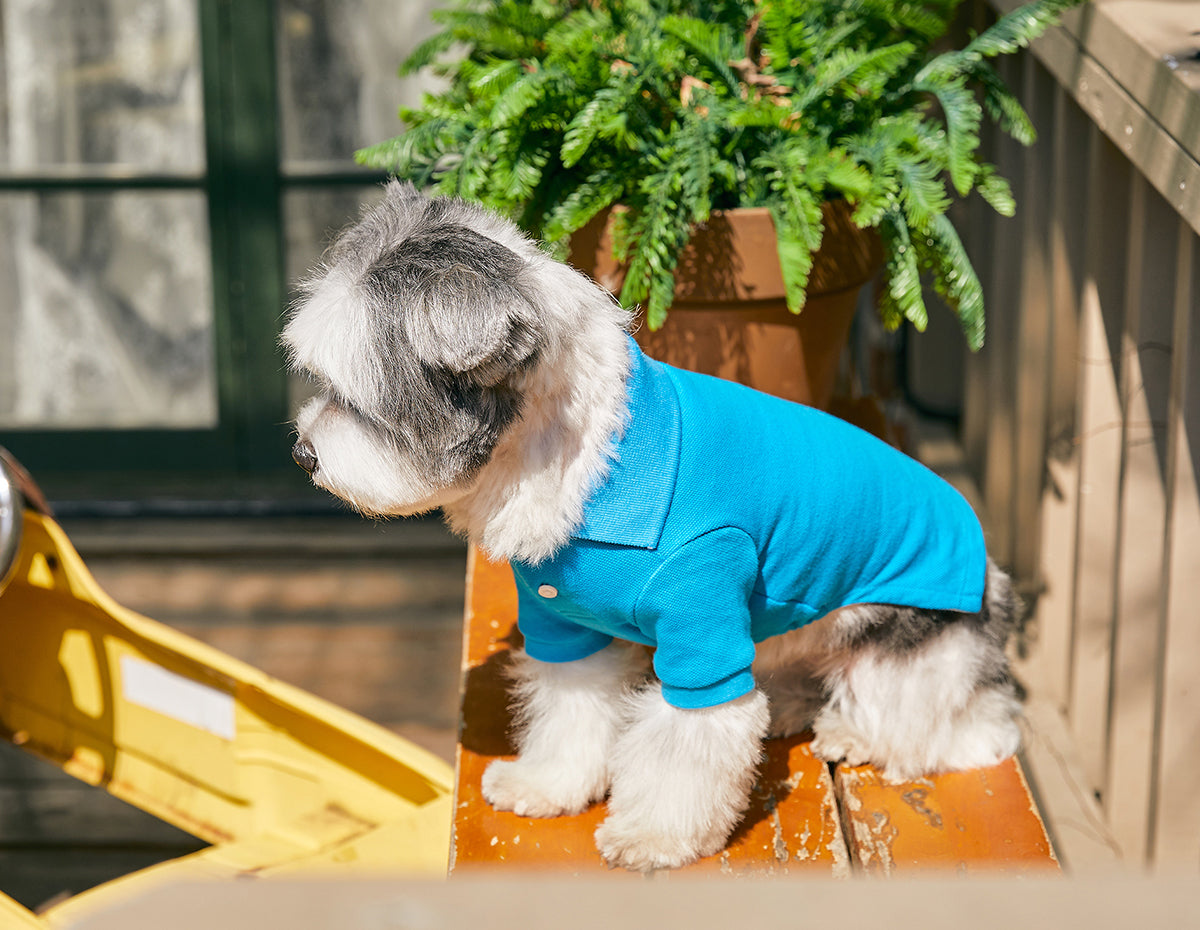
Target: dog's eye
352, 408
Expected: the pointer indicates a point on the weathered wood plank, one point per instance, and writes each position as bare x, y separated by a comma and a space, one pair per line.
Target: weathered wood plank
979, 821
1031, 354
1100, 453
1176, 817
1050, 654
792, 826
1055, 605
1074, 819
1002, 294
1145, 387
1122, 65
1068, 236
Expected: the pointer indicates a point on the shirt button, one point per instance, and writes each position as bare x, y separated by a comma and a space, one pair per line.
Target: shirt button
548, 590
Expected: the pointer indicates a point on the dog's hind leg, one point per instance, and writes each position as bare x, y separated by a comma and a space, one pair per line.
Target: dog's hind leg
923, 712
681, 779
918, 692
568, 717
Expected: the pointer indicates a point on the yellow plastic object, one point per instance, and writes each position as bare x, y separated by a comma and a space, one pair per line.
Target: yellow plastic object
277, 780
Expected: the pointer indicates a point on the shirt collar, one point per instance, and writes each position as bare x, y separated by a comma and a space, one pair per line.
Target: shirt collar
630, 508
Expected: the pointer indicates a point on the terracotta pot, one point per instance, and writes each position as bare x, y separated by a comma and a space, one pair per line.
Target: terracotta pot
730, 315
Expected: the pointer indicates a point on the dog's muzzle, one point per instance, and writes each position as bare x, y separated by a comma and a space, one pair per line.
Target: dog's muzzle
304, 455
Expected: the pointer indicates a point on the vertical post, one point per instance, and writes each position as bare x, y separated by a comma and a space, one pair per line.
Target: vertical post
1174, 827
1145, 388
1099, 450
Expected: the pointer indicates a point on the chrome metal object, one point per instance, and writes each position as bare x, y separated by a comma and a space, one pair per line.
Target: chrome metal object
17, 493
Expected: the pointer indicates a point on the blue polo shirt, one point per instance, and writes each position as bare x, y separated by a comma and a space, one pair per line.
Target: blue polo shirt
729, 516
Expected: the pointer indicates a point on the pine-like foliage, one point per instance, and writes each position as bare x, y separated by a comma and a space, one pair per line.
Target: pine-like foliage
554, 110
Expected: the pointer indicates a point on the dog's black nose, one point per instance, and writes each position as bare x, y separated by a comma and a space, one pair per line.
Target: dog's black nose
305, 455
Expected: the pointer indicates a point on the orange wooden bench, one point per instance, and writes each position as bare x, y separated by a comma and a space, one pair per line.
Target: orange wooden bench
803, 819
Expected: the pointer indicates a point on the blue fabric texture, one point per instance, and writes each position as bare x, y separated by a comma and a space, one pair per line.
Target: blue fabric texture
729, 516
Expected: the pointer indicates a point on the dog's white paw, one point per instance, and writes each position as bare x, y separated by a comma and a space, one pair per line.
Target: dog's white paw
633, 843
681, 780
533, 790
830, 747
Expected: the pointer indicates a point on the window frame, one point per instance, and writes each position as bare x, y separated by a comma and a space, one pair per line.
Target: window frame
243, 182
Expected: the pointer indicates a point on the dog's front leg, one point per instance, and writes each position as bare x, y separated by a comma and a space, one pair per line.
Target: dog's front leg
568, 716
681, 780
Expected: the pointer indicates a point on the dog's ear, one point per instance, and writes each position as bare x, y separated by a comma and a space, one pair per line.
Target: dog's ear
459, 302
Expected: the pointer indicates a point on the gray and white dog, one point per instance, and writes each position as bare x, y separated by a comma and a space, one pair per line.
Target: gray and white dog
459, 366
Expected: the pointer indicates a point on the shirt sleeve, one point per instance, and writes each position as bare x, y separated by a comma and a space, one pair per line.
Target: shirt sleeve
549, 636
698, 607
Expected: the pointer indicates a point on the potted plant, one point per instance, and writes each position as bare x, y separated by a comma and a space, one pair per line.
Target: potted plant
654, 123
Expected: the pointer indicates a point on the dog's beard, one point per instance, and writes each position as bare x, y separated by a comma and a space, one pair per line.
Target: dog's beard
367, 467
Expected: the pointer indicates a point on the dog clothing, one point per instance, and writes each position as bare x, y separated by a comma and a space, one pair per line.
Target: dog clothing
729, 516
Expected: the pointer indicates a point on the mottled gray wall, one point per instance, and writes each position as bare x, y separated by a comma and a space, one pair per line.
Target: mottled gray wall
105, 301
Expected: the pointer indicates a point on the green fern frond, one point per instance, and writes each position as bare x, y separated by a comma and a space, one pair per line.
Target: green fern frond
796, 211
963, 116
527, 91
921, 191
1010, 32
851, 180
467, 177
955, 280
871, 67
710, 41
696, 158
395, 154
599, 115
427, 52
578, 207
659, 232
1016, 29
761, 113
798, 234
826, 41
1003, 107
491, 77
518, 167
878, 151
927, 21
576, 35
902, 298
995, 190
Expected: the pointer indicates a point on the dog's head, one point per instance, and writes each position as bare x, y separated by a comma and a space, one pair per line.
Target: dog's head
416, 330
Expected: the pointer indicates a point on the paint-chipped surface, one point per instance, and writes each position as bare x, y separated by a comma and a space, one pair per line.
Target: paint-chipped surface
978, 821
792, 826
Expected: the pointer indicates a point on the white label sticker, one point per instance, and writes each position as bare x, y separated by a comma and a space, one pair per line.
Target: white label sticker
179, 698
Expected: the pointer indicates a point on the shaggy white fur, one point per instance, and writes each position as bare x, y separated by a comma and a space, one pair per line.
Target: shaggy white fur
681, 779
568, 719
530, 496
917, 713
363, 468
